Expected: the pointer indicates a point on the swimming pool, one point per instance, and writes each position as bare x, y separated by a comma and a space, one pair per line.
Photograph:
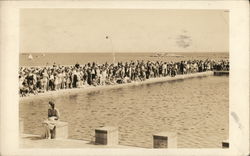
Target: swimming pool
196, 109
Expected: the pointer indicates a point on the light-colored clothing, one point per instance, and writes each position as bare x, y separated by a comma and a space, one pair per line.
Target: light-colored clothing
50, 123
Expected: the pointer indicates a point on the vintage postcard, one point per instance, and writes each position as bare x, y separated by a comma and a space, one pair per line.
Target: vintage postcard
110, 78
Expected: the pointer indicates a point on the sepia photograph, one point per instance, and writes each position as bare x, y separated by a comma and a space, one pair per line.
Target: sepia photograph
125, 78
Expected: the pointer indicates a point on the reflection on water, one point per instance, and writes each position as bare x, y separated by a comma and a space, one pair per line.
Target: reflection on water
197, 109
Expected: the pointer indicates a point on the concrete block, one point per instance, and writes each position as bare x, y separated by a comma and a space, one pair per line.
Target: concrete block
165, 140
106, 136
225, 144
60, 131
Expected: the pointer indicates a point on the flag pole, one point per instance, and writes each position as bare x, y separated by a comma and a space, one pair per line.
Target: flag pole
107, 37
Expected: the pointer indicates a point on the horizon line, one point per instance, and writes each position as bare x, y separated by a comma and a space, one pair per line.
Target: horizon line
127, 52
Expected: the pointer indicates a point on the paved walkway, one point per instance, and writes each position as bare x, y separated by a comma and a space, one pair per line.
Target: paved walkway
35, 141
94, 88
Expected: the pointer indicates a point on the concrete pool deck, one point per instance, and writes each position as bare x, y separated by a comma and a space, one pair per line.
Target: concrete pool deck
35, 141
93, 88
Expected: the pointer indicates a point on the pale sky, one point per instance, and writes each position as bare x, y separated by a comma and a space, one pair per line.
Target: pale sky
129, 30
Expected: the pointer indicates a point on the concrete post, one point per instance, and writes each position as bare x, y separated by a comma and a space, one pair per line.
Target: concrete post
165, 140
225, 144
106, 136
61, 130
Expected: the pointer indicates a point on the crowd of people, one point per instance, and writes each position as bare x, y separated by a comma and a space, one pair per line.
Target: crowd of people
34, 80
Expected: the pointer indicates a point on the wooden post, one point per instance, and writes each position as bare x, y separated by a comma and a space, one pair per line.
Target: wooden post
106, 136
165, 140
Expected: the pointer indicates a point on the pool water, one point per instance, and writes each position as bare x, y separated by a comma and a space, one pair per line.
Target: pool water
196, 109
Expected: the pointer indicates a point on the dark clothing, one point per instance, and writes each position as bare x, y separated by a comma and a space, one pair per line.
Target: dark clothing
30, 79
53, 112
182, 68
74, 81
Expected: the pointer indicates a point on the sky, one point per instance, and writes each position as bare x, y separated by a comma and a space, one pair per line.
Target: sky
123, 30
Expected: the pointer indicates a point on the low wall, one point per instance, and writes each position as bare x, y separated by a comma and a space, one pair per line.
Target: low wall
219, 73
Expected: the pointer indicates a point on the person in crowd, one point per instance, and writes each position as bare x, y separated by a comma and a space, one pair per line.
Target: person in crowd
34, 80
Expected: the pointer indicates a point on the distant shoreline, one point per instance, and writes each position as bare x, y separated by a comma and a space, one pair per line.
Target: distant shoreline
43, 59
52, 94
